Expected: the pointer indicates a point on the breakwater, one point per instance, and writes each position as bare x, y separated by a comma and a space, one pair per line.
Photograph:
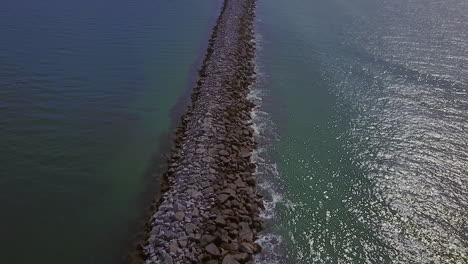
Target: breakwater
209, 211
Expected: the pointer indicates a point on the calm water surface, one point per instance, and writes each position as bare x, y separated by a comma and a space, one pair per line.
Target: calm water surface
363, 125
86, 90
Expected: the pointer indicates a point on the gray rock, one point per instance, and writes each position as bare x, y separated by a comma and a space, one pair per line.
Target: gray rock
212, 249
166, 258
189, 227
220, 220
223, 197
174, 247
179, 216
183, 243
195, 212
207, 239
243, 257
200, 151
223, 152
229, 259
245, 232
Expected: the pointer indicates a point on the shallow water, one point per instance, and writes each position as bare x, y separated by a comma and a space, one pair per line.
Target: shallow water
87, 89
364, 117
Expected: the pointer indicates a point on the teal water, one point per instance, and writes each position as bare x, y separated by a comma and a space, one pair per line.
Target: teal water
87, 90
363, 128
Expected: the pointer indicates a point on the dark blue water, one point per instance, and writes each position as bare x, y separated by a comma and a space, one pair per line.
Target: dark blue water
86, 92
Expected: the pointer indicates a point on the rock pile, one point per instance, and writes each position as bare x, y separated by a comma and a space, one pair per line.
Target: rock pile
210, 211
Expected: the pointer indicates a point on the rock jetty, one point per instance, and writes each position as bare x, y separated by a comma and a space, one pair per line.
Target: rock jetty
209, 211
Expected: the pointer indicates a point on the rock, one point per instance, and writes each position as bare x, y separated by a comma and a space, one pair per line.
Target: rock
223, 197
200, 151
189, 227
223, 235
239, 183
210, 228
250, 180
223, 152
179, 216
220, 220
173, 248
207, 239
243, 257
166, 258
250, 248
208, 159
225, 246
192, 237
204, 184
212, 249
208, 190
245, 232
228, 212
234, 246
229, 259
212, 151
195, 212
168, 234
229, 191
245, 153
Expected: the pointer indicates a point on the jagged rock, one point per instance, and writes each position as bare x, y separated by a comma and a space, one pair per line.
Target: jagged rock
212, 249
183, 243
223, 197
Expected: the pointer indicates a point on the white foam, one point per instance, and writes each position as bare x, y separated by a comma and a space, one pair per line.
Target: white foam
267, 172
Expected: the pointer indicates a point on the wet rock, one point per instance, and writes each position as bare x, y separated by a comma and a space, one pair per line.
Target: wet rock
249, 248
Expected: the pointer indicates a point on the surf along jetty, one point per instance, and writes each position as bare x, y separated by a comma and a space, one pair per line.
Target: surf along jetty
209, 211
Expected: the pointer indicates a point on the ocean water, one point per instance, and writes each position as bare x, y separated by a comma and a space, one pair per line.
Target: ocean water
87, 90
363, 130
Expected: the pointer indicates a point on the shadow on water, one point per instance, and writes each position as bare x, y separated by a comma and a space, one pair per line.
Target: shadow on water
153, 176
